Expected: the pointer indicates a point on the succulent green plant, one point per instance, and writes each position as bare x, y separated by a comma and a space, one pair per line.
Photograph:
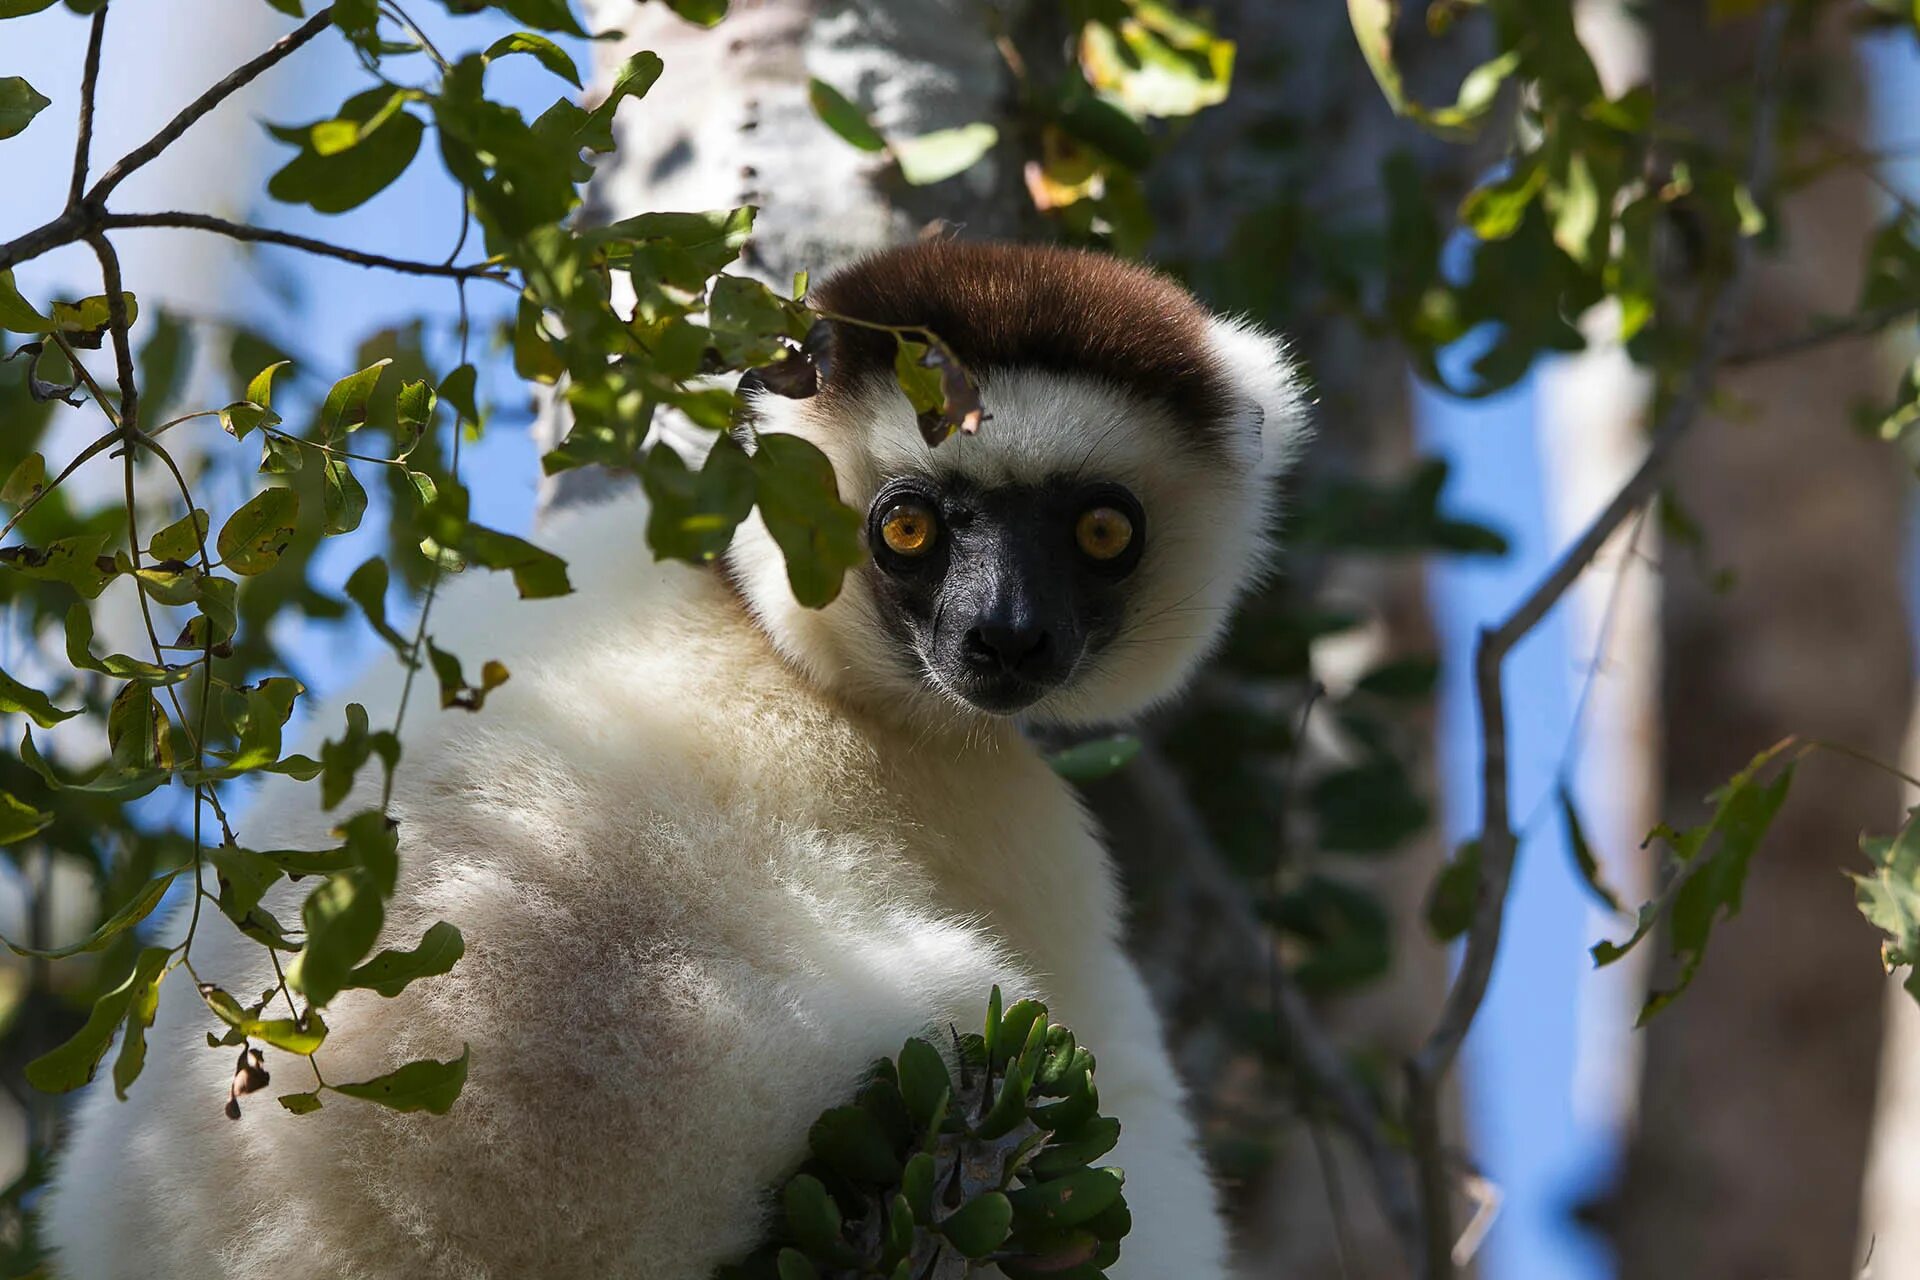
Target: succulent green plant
937, 1170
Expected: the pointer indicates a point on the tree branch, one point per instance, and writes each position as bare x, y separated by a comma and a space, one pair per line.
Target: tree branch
89, 86
306, 244
1497, 842
243, 75
117, 326
1164, 846
1865, 324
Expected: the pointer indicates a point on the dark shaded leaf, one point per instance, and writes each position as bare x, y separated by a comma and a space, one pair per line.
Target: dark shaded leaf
418, 1086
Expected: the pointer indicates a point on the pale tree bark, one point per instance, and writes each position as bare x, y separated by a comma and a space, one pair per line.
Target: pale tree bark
1890, 1202
1592, 416
1300, 76
1758, 1086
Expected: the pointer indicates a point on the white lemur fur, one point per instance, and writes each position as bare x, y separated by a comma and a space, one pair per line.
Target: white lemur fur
713, 853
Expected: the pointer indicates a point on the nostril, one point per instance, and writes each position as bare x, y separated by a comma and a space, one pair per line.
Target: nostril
1007, 648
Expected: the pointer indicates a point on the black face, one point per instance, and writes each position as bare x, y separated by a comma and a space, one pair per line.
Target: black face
1002, 592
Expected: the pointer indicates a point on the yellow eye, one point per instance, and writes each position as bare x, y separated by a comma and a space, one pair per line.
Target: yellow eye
908, 529
1103, 532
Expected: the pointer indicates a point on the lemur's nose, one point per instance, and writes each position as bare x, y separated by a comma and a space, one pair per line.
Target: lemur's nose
1016, 650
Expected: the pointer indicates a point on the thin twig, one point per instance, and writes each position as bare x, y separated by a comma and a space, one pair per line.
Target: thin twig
1172, 828
242, 76
89, 86
1864, 324
306, 244
1497, 843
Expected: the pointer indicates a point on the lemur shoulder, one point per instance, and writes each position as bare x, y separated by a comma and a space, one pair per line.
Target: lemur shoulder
713, 853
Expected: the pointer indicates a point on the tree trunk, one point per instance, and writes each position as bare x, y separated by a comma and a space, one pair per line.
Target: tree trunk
1758, 1088
1227, 196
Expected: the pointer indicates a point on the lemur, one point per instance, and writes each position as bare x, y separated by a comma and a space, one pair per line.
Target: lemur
714, 853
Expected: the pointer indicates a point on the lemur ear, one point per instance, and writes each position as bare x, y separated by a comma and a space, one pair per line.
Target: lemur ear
1272, 422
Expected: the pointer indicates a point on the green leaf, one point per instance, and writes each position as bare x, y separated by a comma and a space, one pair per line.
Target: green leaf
75, 561
182, 539
1091, 1141
819, 535
935, 157
17, 315
143, 1001
341, 758
1373, 22
550, 55
791, 1264
21, 8
691, 515
73, 1063
294, 1035
19, 699
1889, 897
20, 102
25, 482
547, 15
280, 456
80, 654
979, 1226
635, 76
91, 314
1069, 1201
345, 409
1583, 854
254, 537
346, 161
811, 1214
1455, 893
850, 1140
917, 1185
373, 843
256, 410
20, 820
301, 1104
537, 574
244, 877
1344, 931
1495, 211
106, 781
1371, 808
454, 689
268, 707
924, 1082
342, 498
1711, 873
418, 1086
138, 732
391, 971
367, 587
1404, 679
342, 918
841, 116
129, 914
1098, 758
457, 390
702, 13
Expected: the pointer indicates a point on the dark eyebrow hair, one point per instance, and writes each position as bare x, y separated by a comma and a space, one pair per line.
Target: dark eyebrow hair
1036, 307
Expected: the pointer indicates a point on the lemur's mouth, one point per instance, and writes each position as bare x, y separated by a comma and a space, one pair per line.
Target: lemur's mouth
1003, 694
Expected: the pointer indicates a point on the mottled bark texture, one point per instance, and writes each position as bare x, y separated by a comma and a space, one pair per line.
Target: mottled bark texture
1295, 153
1758, 1087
